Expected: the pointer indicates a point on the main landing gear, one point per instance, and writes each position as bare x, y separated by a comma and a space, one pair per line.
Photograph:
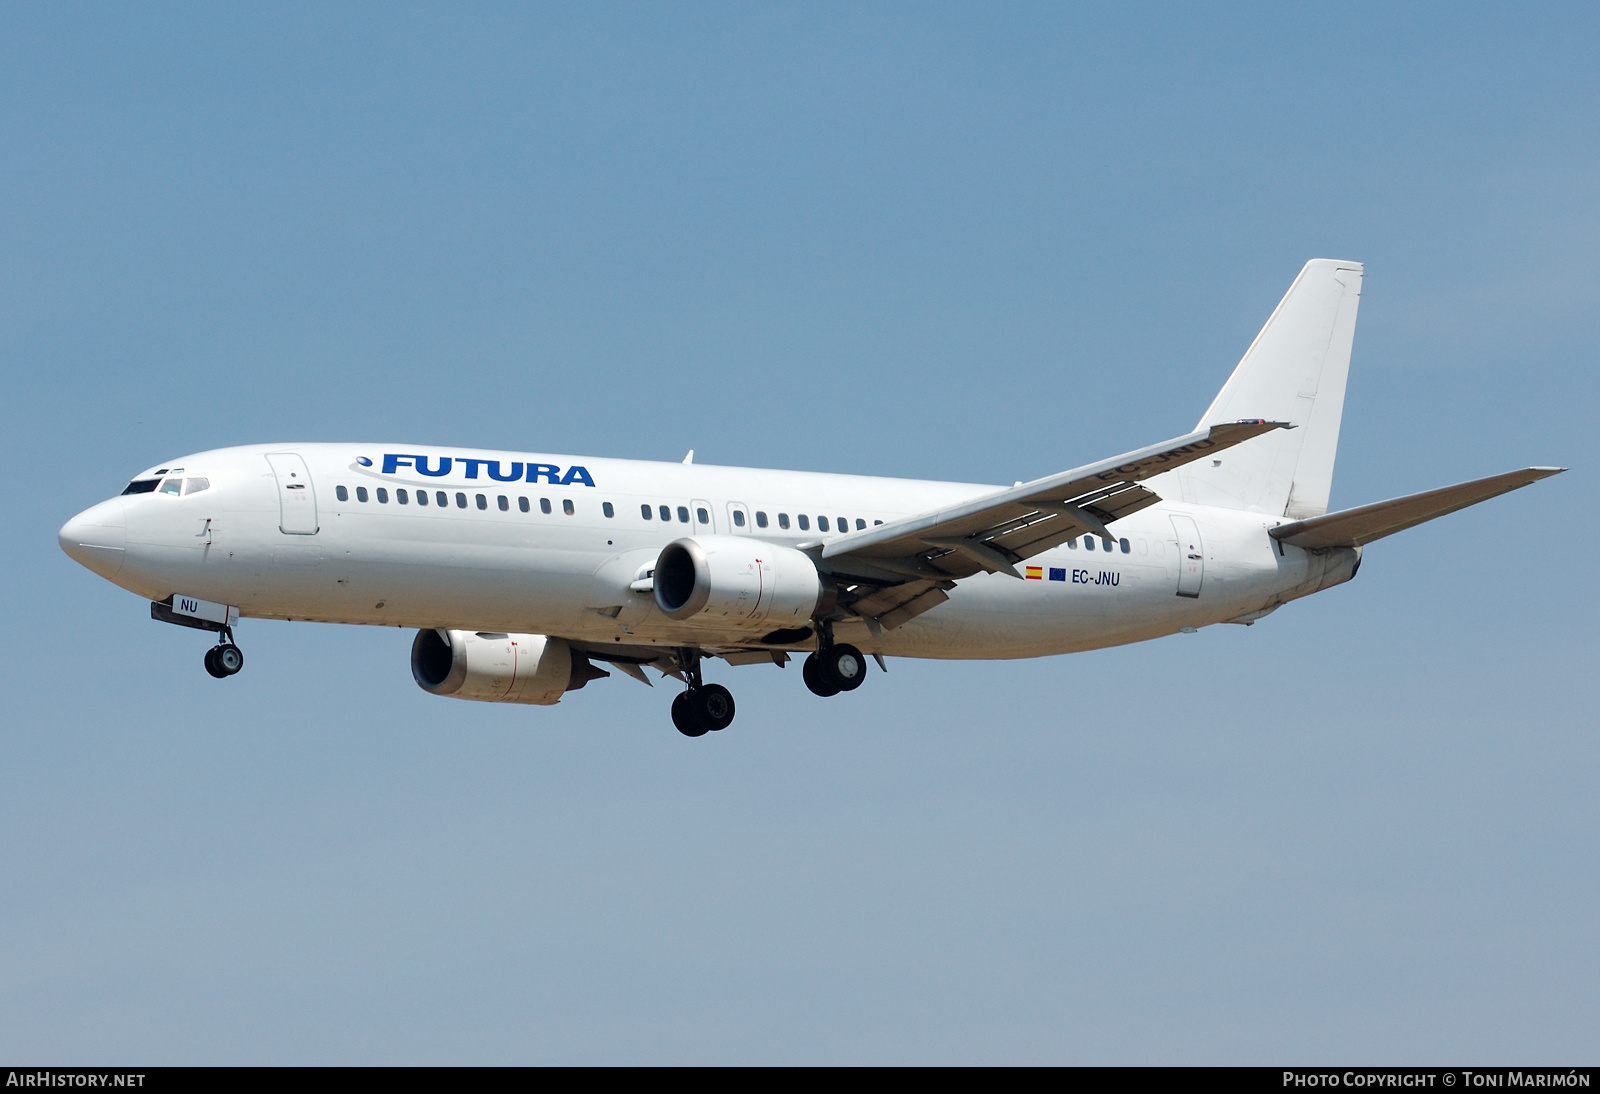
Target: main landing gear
834, 668
704, 708
224, 659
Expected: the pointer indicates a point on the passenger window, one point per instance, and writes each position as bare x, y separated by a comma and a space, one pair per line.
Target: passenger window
483, 502
194, 485
383, 496
443, 499
822, 524
401, 496
1088, 543
505, 504
644, 511
1072, 544
738, 519
422, 497
876, 522
544, 505
341, 493
522, 503
683, 514
173, 487
566, 506
1125, 545
605, 507
860, 524
783, 520
1105, 545
361, 493
761, 519
844, 524
702, 516
461, 500
666, 514
805, 523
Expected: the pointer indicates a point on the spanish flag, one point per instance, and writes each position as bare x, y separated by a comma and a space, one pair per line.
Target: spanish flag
1035, 573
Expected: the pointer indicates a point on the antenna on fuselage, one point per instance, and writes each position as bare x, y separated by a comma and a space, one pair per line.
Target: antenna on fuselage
690, 457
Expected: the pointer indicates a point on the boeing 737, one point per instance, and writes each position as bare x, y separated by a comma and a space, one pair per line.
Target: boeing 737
524, 572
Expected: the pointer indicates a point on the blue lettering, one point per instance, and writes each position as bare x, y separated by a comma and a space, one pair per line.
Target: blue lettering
577, 474
393, 463
472, 467
494, 471
422, 466
1080, 577
545, 471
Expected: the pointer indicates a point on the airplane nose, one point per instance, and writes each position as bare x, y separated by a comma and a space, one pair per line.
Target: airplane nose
97, 538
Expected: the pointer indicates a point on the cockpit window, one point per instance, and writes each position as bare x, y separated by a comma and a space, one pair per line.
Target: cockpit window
194, 484
142, 486
172, 486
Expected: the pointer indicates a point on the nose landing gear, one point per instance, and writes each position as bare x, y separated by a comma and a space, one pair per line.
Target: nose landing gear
704, 708
225, 658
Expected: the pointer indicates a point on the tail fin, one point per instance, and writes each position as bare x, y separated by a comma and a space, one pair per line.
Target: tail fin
1293, 372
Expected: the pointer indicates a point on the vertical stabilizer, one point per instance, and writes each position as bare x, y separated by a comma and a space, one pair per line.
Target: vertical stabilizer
1293, 372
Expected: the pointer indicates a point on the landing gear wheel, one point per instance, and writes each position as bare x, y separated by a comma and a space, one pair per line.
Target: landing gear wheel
815, 679
843, 666
684, 718
229, 658
211, 664
712, 706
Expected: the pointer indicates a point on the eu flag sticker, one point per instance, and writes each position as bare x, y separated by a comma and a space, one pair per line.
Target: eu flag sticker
1058, 573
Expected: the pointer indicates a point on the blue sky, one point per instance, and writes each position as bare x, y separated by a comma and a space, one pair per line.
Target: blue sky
937, 241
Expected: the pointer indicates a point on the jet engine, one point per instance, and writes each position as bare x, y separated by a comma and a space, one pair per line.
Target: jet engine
498, 668
734, 581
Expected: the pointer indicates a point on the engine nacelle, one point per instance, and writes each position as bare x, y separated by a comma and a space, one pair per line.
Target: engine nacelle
498, 668
734, 581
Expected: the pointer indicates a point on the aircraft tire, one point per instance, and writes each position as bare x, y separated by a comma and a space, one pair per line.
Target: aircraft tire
844, 666
229, 658
811, 672
211, 664
684, 718
712, 706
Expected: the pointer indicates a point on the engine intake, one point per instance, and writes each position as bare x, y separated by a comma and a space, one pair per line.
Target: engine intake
731, 580
498, 668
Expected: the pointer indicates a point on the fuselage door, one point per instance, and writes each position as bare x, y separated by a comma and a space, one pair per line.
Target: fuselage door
297, 498
739, 518
1191, 556
704, 523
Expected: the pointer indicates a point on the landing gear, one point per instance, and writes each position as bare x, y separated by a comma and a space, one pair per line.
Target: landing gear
833, 669
704, 708
224, 659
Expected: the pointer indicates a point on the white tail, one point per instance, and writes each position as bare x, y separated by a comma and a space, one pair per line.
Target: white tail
1293, 372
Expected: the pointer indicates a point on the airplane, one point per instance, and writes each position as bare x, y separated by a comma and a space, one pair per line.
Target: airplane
523, 573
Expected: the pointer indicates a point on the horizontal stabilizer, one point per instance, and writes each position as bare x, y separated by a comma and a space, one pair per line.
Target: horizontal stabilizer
1354, 527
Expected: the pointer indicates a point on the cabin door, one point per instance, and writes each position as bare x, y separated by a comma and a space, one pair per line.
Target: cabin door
1191, 556
297, 498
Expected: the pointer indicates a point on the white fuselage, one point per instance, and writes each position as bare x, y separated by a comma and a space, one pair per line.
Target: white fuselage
561, 566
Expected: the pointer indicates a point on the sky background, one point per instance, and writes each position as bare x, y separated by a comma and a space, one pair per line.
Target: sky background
974, 242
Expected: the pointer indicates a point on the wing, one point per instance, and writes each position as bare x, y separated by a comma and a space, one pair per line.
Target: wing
1354, 527
903, 568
